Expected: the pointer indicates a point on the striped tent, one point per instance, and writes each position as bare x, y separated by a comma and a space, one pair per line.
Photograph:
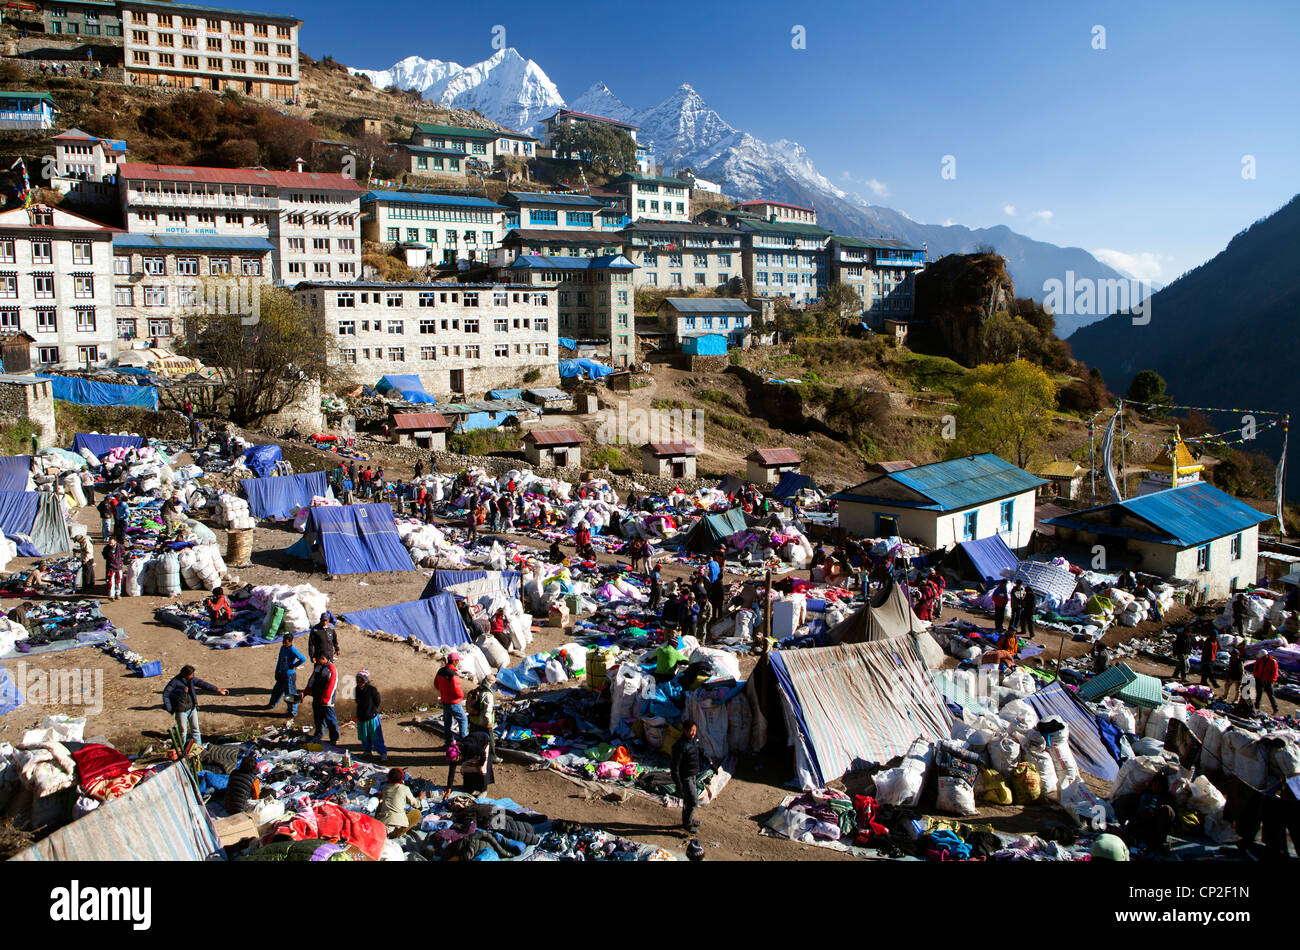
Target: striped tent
856, 704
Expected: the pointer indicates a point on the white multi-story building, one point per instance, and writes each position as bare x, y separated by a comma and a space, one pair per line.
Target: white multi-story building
655, 198
683, 256
880, 270
161, 281
312, 219
451, 227
85, 166
779, 211
458, 338
181, 44
785, 259
56, 277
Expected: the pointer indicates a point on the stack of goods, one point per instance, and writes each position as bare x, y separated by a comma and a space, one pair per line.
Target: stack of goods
262, 616
232, 513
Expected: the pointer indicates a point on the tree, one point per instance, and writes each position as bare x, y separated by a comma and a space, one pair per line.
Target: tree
263, 366
608, 150
239, 153
840, 304
1005, 409
1148, 386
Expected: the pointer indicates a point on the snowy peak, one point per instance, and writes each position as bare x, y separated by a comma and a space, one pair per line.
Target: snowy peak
506, 87
600, 100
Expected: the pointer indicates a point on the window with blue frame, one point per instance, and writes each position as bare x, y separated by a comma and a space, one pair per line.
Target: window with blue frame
1236, 547
969, 524
1203, 558
582, 218
1007, 511
542, 216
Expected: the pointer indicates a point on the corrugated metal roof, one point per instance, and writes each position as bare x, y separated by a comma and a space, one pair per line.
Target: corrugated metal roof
535, 261
419, 420
544, 198
882, 243
542, 236
774, 204
670, 448
1059, 469
784, 227
463, 131
422, 198
953, 485
431, 150
599, 118
237, 176
776, 456
708, 305
192, 242
1189, 515
554, 437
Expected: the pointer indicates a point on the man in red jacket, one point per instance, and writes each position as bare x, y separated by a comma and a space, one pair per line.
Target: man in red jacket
1266, 673
322, 686
453, 698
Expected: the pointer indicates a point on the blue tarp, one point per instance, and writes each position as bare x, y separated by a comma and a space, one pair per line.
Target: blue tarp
10, 698
1092, 747
584, 367
278, 496
791, 484
101, 445
441, 580
992, 559
706, 344
475, 421
435, 620
409, 386
568, 342
38, 516
505, 394
357, 539
261, 459
84, 392
14, 470
17, 512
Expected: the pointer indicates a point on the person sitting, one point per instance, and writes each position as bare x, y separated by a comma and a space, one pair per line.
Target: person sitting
219, 610
38, 580
399, 807
556, 555
244, 787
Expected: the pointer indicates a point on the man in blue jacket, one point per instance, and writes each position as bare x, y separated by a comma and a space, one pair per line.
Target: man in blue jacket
181, 700
286, 676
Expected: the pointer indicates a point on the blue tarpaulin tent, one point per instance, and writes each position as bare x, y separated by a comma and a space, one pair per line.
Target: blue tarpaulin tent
261, 459
84, 392
991, 558
435, 620
14, 471
441, 580
791, 484
589, 368
37, 516
10, 698
277, 497
356, 539
1093, 741
101, 445
706, 344
409, 386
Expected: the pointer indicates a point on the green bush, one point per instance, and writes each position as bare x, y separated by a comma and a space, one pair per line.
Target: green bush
484, 442
16, 438
533, 375
611, 457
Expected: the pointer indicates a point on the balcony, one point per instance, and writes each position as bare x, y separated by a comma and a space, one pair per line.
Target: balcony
152, 199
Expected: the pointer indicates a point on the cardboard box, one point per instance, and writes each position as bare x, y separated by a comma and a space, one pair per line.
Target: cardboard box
235, 828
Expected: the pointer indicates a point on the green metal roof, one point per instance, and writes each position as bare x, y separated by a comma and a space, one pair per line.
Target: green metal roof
464, 131
885, 243
785, 227
650, 180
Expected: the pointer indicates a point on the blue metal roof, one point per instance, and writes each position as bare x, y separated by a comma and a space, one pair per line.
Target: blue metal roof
192, 242
708, 305
955, 484
540, 198
419, 197
1186, 516
430, 150
538, 261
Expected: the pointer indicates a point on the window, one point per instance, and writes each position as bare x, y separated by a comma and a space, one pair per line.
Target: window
123, 297
347, 355
347, 328
471, 326
543, 349
1007, 511
541, 324
9, 286
10, 320
397, 354
43, 286
252, 267
471, 352
85, 319
155, 266
500, 298
347, 299
1236, 547
47, 354
428, 352
396, 327
187, 296
970, 524
155, 296
501, 349
219, 266
46, 321
471, 300
187, 266
160, 327
83, 287
393, 300
1203, 558
42, 253
7, 251
81, 252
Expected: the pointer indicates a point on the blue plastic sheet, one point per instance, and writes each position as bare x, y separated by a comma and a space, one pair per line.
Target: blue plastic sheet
14, 470
992, 559
409, 386
476, 421
85, 392
17, 512
435, 620
441, 580
568, 342
791, 484
261, 459
10, 698
101, 445
584, 367
357, 539
277, 497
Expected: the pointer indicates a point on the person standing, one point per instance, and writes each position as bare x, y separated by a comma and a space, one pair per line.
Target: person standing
323, 639
419, 469
370, 732
452, 696
180, 699
1027, 601
716, 574
1000, 607
1209, 652
703, 619
481, 704
322, 686
107, 505
86, 554
1266, 675
688, 761
1239, 614
1182, 651
1233, 676
286, 675
114, 563
656, 588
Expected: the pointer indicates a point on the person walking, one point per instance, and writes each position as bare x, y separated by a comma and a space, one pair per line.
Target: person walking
452, 695
114, 562
286, 675
180, 699
107, 505
687, 762
322, 686
1209, 652
1182, 651
370, 732
1233, 677
1266, 675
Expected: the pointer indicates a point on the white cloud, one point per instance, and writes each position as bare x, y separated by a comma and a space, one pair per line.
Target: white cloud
1144, 265
948, 222
1043, 216
1009, 210
874, 185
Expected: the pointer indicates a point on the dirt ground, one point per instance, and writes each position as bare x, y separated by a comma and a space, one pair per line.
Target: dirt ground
132, 717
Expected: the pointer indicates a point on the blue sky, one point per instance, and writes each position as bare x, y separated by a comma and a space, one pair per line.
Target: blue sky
1134, 152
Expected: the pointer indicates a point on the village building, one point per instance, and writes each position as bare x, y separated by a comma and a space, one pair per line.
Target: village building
458, 338
594, 298
481, 147
881, 271
1169, 470
428, 161
98, 20
766, 466
56, 285
451, 227
683, 256
567, 117
669, 459
312, 219
943, 503
1194, 533
785, 259
26, 111
561, 448
1064, 480
779, 212
210, 48
654, 197
685, 318
85, 166
423, 430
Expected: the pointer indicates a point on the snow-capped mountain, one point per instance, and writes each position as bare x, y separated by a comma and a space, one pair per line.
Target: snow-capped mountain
508, 89
683, 131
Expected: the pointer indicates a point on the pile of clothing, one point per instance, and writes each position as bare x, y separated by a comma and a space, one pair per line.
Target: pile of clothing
53, 625
262, 615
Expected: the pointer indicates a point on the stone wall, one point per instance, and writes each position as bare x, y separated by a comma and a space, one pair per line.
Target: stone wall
34, 401
305, 411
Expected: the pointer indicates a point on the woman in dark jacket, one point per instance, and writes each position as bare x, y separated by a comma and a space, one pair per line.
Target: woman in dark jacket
243, 786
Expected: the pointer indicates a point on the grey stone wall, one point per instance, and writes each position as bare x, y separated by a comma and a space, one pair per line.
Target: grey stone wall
35, 402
